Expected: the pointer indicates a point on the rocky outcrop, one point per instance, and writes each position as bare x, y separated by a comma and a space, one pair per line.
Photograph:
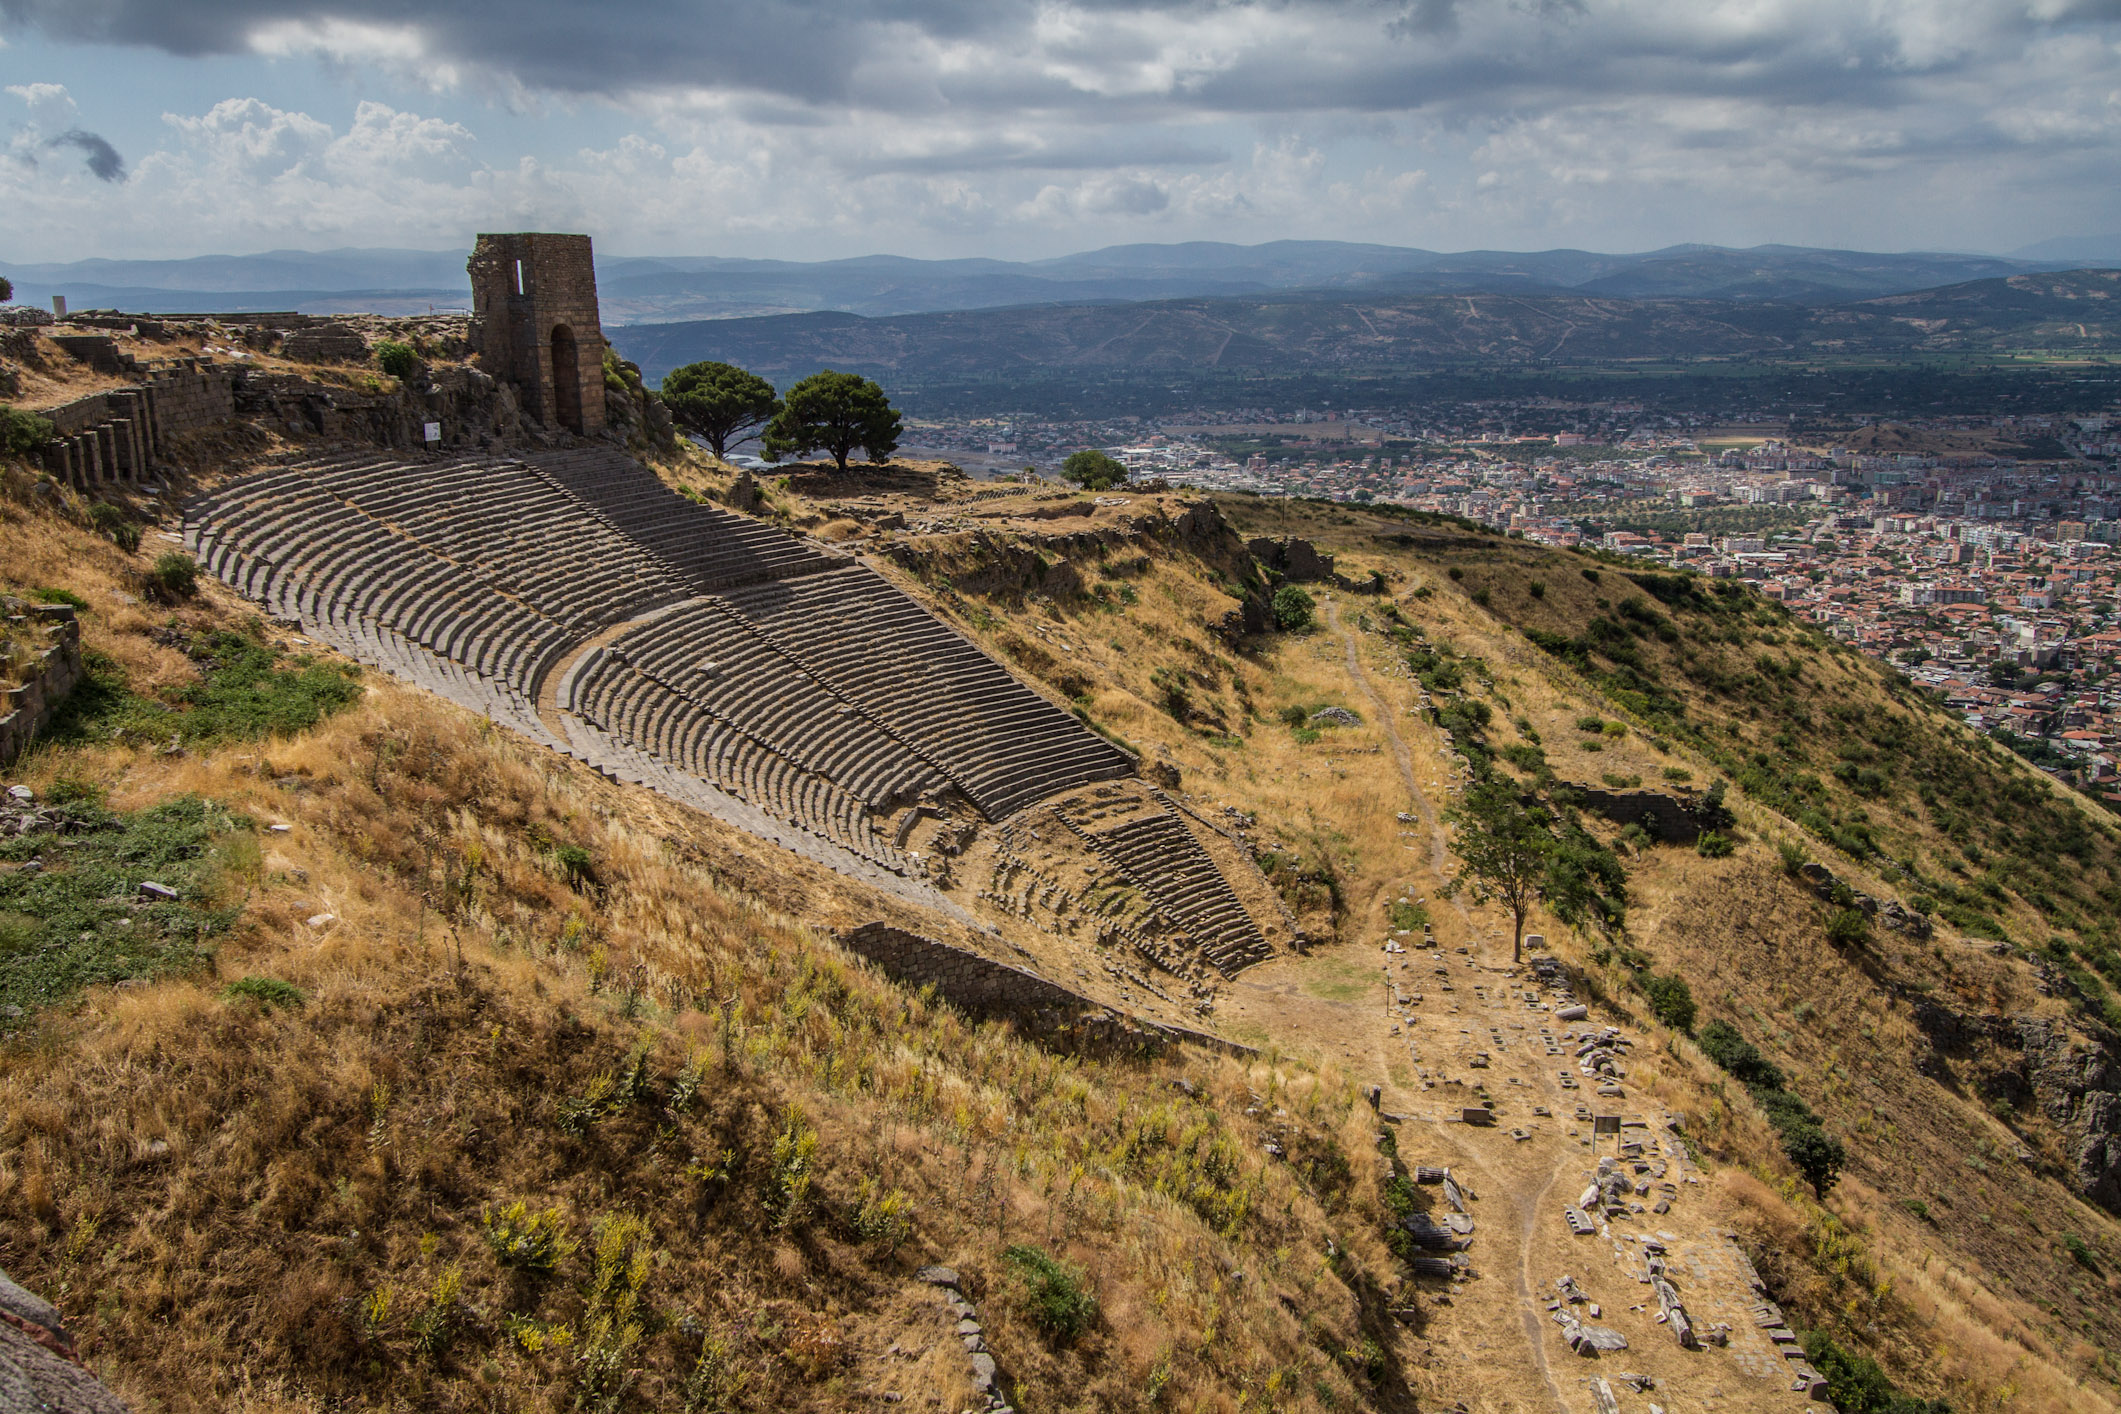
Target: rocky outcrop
470, 409
2076, 1082
1890, 913
2071, 1078
40, 1371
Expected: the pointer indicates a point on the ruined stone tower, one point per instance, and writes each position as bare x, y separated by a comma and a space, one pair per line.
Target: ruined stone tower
534, 324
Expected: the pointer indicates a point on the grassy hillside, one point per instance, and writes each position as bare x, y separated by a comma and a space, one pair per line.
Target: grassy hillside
456, 1074
477, 1077
1959, 1247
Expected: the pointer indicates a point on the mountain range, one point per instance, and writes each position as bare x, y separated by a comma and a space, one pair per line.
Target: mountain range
663, 289
1294, 331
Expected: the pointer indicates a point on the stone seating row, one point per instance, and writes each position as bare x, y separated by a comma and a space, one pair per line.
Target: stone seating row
713, 547
306, 554
647, 714
716, 659
526, 536
1003, 743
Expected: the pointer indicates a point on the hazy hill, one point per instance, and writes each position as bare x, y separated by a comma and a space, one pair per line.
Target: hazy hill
1308, 331
663, 288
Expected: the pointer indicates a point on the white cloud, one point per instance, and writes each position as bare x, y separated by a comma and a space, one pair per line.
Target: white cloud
1048, 124
44, 98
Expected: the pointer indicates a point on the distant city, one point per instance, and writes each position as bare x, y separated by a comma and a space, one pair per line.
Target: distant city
1982, 560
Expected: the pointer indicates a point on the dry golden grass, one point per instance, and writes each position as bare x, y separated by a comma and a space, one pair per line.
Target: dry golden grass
461, 973
1978, 1303
252, 1208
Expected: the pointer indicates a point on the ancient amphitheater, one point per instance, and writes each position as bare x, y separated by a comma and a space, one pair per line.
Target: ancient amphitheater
754, 675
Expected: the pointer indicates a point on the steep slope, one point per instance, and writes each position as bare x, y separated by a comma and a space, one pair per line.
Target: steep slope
277, 1164
1908, 923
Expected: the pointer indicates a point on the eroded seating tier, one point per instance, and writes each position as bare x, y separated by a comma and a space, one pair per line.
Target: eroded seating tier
1153, 848
712, 547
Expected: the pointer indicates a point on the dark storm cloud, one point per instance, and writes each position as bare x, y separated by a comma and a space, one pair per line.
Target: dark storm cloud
808, 46
104, 163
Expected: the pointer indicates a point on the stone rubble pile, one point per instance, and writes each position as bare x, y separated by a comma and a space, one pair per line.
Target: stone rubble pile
986, 1374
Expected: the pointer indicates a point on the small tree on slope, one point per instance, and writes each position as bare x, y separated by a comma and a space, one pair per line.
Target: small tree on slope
719, 402
1503, 845
834, 412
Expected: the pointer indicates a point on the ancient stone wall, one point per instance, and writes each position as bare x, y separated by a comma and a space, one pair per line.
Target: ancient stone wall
119, 433
534, 323
1668, 818
987, 988
1294, 558
30, 706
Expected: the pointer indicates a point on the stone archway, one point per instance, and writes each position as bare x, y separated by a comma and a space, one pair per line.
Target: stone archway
566, 379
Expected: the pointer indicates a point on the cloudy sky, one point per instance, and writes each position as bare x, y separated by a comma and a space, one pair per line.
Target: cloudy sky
821, 128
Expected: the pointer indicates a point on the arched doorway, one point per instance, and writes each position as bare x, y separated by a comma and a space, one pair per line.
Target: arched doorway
566, 380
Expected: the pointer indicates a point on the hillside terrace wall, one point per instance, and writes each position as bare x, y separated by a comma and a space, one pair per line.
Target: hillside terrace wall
118, 434
30, 706
987, 988
1668, 818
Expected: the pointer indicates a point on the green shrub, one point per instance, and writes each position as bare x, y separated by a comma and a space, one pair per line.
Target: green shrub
1294, 716
1537, 589
22, 433
398, 359
1456, 573
112, 521
1621, 781
74, 790
1818, 1155
535, 1242
1589, 723
1050, 1293
1094, 470
1293, 609
1174, 690
1714, 844
1848, 927
1671, 1000
575, 863
1856, 1385
1722, 1043
59, 596
1525, 757
1793, 858
1678, 773
267, 992
2080, 1251
174, 577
